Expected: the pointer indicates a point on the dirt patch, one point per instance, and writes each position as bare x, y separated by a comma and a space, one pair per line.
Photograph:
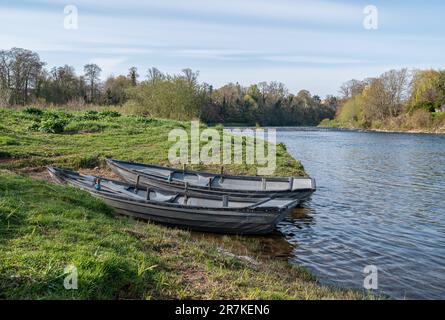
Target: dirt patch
102, 172
41, 173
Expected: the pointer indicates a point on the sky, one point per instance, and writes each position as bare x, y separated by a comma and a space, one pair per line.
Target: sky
306, 44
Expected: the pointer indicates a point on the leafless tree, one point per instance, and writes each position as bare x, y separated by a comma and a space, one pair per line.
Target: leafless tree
92, 73
352, 88
386, 96
19, 72
191, 76
154, 75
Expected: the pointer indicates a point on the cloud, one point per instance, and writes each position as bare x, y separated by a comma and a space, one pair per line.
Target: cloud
290, 10
314, 59
109, 66
295, 42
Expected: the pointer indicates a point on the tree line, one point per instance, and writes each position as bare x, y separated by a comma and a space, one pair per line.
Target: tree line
397, 99
24, 79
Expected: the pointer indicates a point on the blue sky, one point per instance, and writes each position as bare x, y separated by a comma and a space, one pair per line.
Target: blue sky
311, 44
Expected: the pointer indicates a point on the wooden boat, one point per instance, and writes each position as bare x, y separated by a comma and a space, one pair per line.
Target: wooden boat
210, 214
201, 183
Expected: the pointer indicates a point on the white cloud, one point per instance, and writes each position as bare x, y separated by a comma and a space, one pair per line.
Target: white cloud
109, 66
290, 10
227, 40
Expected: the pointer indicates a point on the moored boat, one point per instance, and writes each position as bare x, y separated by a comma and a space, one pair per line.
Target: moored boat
202, 183
210, 213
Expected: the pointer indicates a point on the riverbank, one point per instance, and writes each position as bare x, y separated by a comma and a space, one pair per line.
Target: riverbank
45, 227
388, 129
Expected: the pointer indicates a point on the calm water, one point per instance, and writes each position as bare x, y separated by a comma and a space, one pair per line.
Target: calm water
380, 201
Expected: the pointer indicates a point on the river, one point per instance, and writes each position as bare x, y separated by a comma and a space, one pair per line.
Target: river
380, 201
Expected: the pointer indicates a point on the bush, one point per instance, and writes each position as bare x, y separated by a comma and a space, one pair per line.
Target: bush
109, 114
351, 111
439, 119
52, 122
90, 115
7, 141
33, 111
52, 125
420, 119
428, 107
282, 146
171, 98
327, 123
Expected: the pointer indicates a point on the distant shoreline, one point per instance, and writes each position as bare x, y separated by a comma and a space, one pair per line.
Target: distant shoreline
412, 131
314, 128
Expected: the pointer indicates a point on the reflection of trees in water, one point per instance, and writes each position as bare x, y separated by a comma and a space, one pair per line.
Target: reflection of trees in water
301, 213
300, 218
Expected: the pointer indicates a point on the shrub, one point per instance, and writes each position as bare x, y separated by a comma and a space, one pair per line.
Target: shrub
282, 146
351, 111
428, 107
7, 141
33, 111
90, 115
52, 125
34, 126
109, 114
52, 122
439, 119
326, 123
420, 119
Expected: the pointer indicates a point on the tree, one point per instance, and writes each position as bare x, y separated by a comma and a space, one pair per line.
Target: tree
60, 85
395, 84
353, 88
92, 73
385, 96
115, 90
133, 76
352, 111
169, 96
427, 90
190, 76
19, 72
154, 75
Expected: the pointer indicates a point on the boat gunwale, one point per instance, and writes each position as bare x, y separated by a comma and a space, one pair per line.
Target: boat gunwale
111, 162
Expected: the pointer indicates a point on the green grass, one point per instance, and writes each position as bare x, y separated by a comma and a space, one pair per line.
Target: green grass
45, 228
85, 142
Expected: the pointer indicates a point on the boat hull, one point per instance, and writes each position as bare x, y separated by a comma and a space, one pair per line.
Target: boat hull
250, 220
148, 180
199, 220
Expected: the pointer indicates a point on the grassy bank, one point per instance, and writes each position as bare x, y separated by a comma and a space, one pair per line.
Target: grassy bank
45, 227
84, 139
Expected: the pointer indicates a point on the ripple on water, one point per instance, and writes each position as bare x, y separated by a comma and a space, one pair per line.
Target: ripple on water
380, 200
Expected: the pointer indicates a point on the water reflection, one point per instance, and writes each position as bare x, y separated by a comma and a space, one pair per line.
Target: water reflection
263, 247
379, 201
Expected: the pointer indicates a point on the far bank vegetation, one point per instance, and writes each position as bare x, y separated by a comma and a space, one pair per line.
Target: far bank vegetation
398, 100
